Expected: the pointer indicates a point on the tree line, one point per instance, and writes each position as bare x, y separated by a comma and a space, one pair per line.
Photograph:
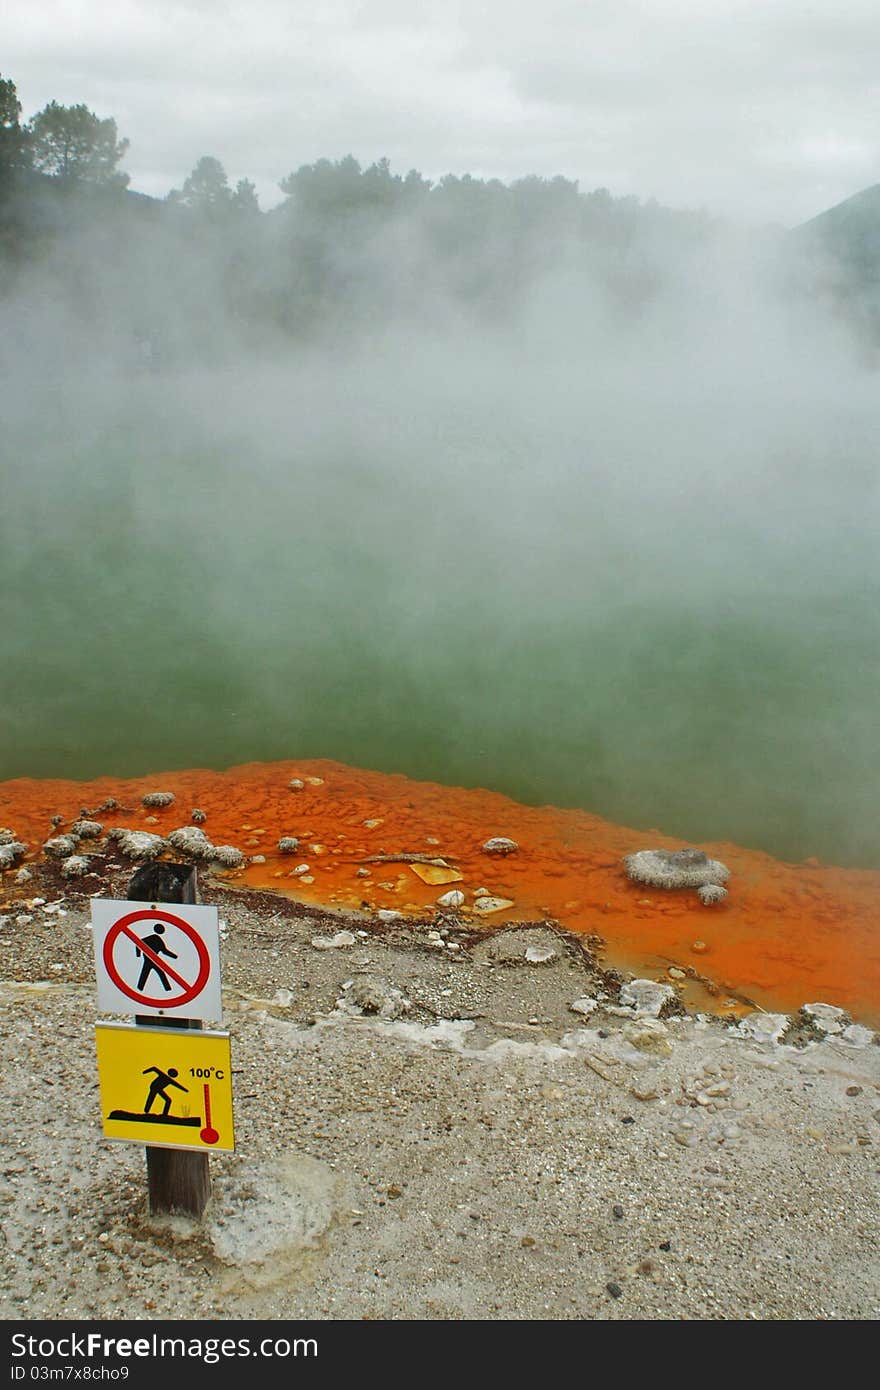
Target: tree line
350, 248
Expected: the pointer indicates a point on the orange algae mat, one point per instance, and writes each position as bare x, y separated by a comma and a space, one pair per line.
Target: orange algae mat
787, 934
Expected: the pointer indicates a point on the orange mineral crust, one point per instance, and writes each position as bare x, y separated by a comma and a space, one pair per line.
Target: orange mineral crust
787, 934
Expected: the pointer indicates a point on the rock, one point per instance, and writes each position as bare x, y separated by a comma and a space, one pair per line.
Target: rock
486, 904
87, 829
157, 799
648, 1035
333, 943
300, 869
453, 899
585, 1006
60, 846
75, 866
24, 875
388, 914
688, 1138
644, 1090
762, 1027
227, 856
826, 1017
192, 842
372, 995
315, 781
711, 893
539, 955
288, 844
647, 997
108, 804
197, 817
138, 844
680, 868
857, 1036
500, 844
296, 784
12, 849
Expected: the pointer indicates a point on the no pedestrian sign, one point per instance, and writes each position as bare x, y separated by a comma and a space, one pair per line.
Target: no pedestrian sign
167, 1087
157, 959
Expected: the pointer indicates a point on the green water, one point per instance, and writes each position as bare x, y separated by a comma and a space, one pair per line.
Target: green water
167, 602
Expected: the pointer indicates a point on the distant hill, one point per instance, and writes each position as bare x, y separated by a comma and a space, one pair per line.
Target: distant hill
835, 258
850, 232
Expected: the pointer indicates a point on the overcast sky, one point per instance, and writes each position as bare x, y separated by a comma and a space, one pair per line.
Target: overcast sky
764, 110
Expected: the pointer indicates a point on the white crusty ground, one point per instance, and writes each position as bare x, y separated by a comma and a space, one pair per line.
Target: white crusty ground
468, 1159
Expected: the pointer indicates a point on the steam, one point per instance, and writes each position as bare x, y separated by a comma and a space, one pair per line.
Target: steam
611, 544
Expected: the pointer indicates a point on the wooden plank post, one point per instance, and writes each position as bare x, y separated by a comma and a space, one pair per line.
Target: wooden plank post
177, 1181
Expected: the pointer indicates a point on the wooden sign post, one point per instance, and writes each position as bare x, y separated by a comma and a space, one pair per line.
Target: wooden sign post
177, 1181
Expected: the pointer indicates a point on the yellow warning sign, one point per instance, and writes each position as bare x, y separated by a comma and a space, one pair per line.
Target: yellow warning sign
169, 1087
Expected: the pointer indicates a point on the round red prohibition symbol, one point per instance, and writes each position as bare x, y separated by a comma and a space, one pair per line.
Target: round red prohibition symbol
189, 989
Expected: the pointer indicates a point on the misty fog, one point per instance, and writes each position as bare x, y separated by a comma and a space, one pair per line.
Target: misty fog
604, 537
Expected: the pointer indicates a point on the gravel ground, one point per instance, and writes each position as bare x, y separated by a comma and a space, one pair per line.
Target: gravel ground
426, 1129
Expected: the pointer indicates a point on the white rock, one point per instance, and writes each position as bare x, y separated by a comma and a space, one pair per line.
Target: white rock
332, 943
500, 844
60, 846
387, 914
857, 1036
284, 997
157, 799
227, 856
762, 1027
827, 1017
300, 869
585, 1005
647, 997
192, 841
486, 904
681, 868
23, 876
454, 899
648, 1035
75, 866
371, 995
87, 829
539, 955
140, 844
296, 784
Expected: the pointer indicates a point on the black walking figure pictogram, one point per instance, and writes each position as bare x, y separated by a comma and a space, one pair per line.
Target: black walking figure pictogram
155, 943
157, 1087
